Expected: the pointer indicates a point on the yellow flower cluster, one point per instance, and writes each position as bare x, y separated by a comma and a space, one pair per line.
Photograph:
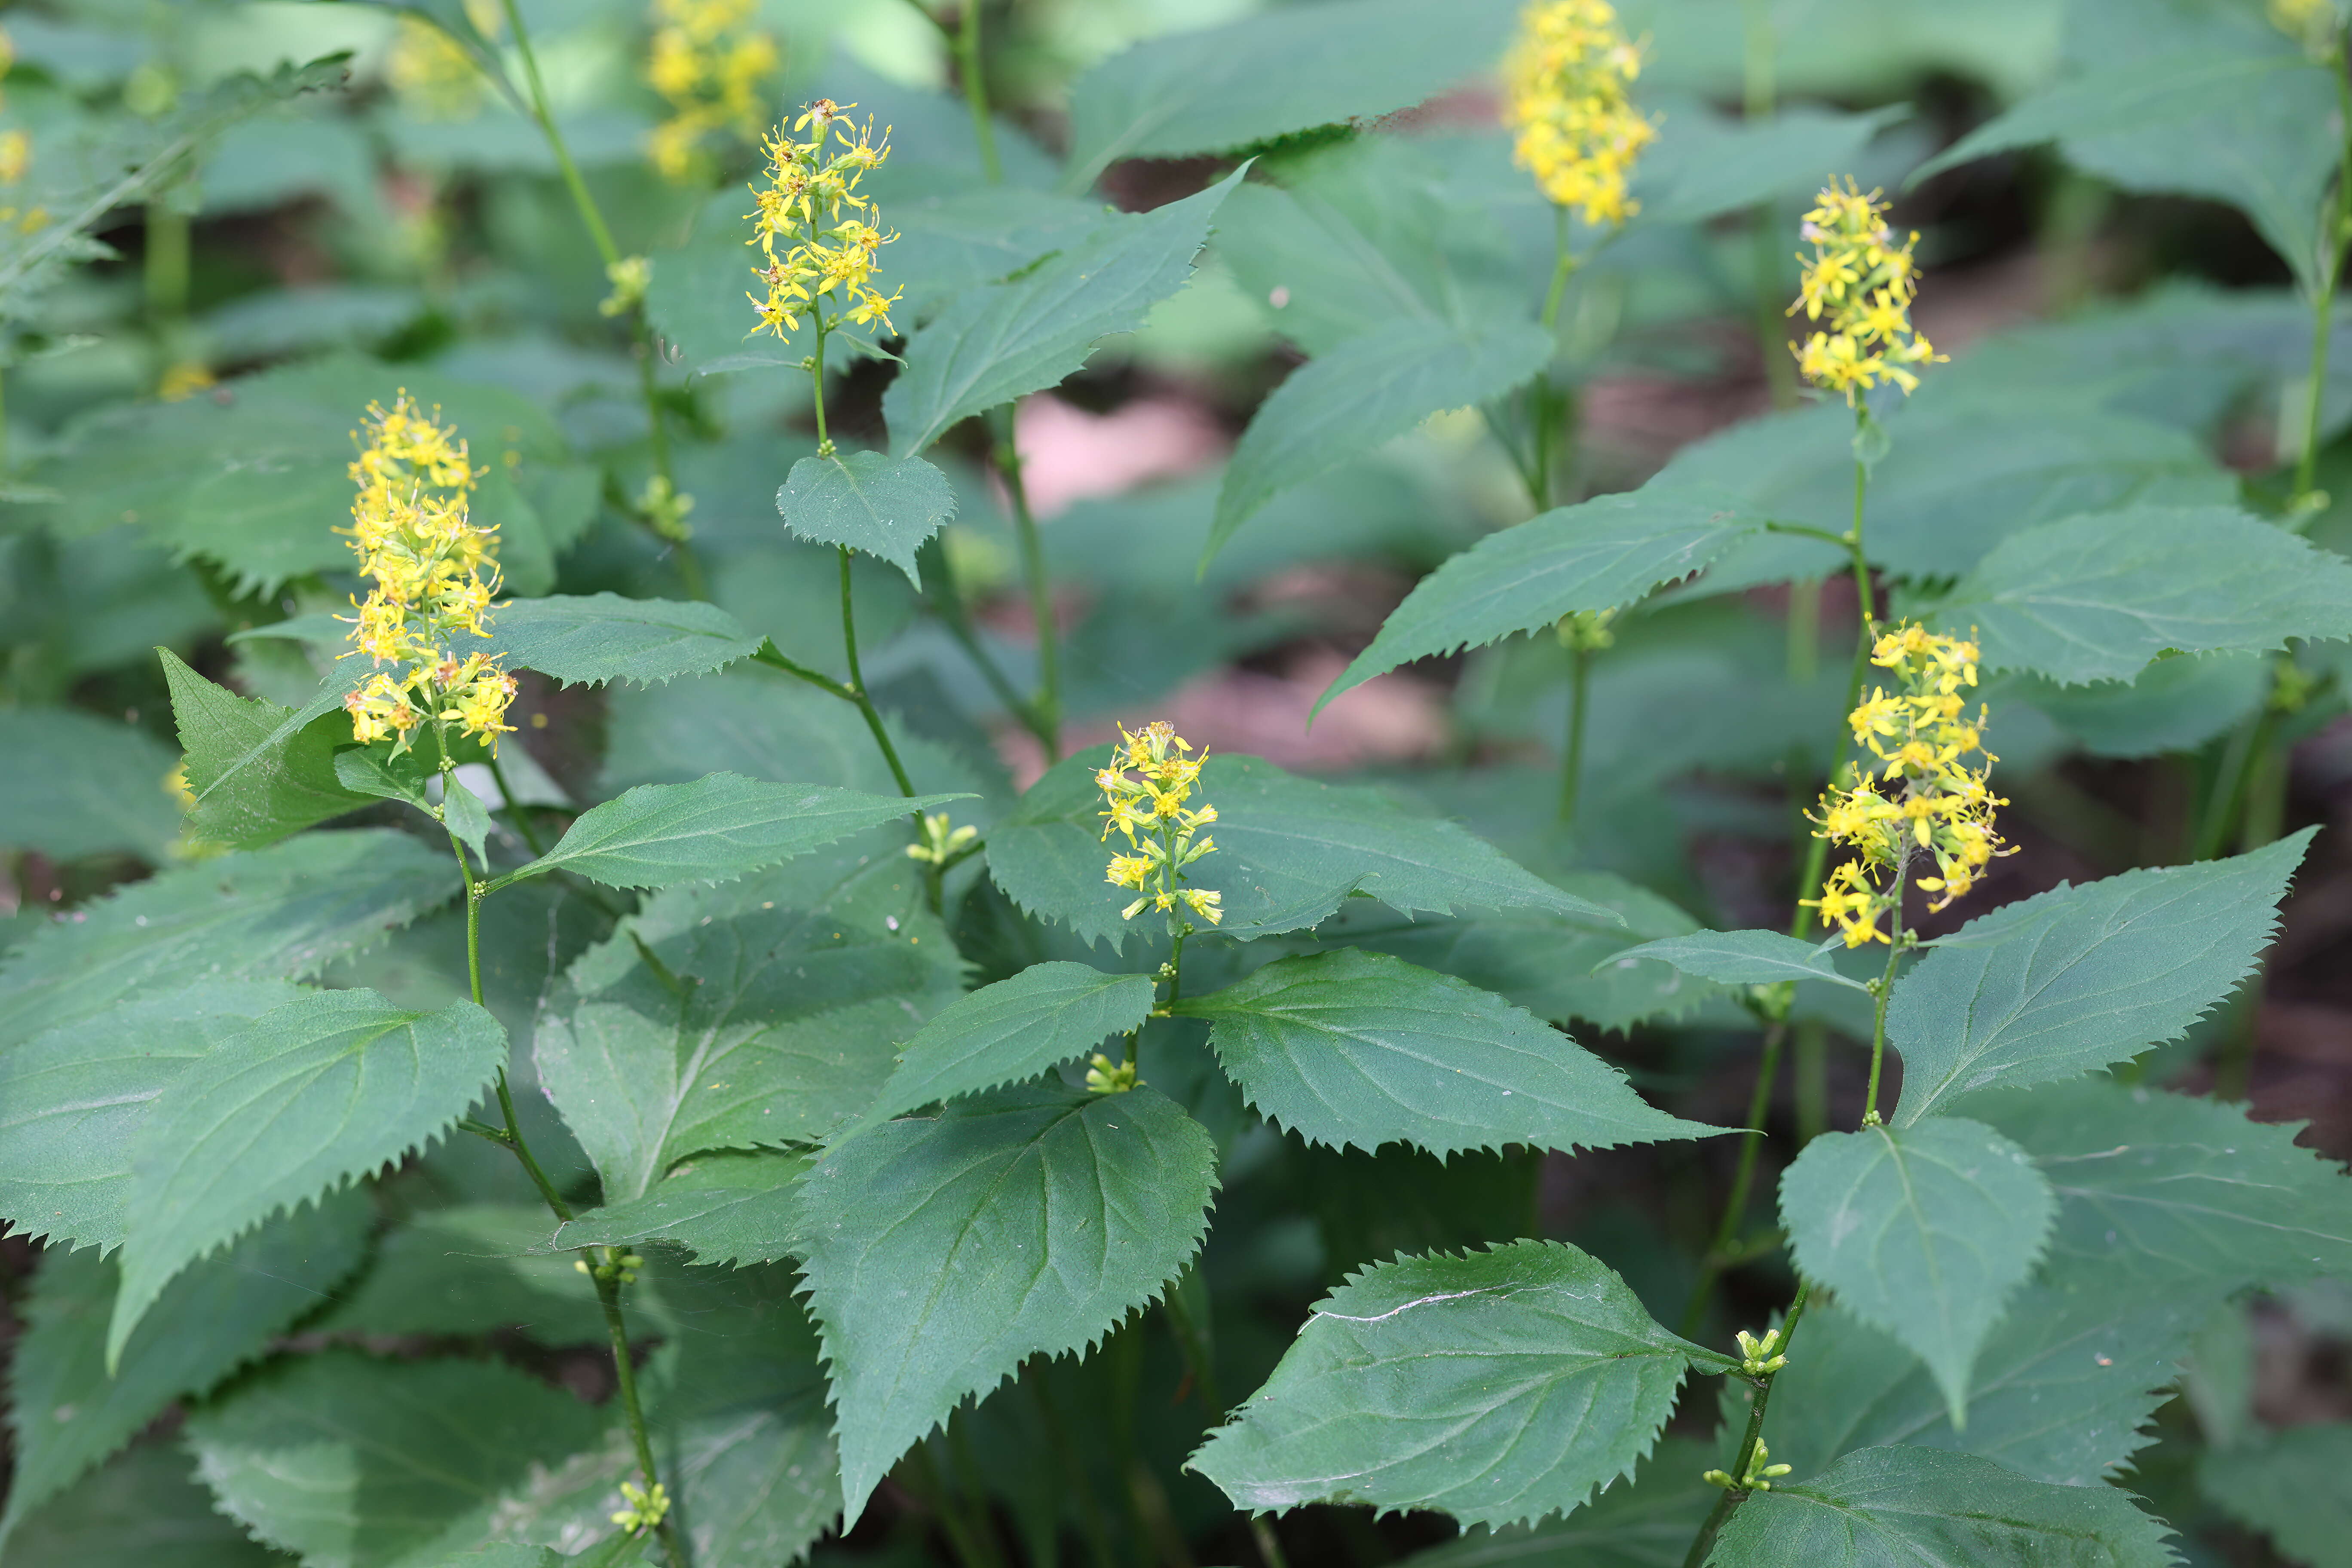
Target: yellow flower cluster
1569, 77
709, 61
1865, 283
435, 574
15, 157
812, 248
1923, 800
434, 77
2311, 23
1159, 828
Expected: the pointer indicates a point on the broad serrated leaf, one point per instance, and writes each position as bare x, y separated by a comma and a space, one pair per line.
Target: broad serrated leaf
252, 788
72, 1101
1358, 1049
2290, 1487
2173, 705
2064, 1388
593, 639
1647, 1522
2094, 598
733, 1207
1496, 1387
1557, 966
466, 817
369, 771
67, 1414
1013, 1030
310, 1096
772, 1018
72, 783
1600, 554
145, 1509
1344, 403
475, 1268
353, 1462
719, 828
285, 912
1290, 851
997, 343
1900, 1507
2176, 1194
883, 505
1745, 958
1924, 1231
1705, 163
2076, 978
2227, 124
1267, 76
254, 475
941, 1253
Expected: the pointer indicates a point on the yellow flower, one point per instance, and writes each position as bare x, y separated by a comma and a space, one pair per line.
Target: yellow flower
2311, 23
434, 574
1863, 283
1568, 76
184, 380
709, 61
808, 250
1160, 828
434, 78
1924, 801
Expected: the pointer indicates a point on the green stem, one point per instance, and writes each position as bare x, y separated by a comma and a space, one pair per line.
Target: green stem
1563, 268
599, 234
1804, 631
767, 653
2306, 466
1733, 1496
1091, 1523
1735, 1205
1572, 771
858, 687
1047, 704
947, 599
816, 379
975, 90
1811, 1072
608, 1297
2240, 762
1885, 993
167, 265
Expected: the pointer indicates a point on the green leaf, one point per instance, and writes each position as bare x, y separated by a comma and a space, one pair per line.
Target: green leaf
2174, 705
2166, 1194
2094, 598
872, 501
771, 1018
724, 1206
254, 476
474, 1269
941, 1253
720, 826
1897, 1508
313, 1094
954, 240
596, 638
2230, 125
1924, 1231
1704, 164
77, 1097
372, 771
2064, 1388
1647, 1523
144, 1509
1013, 1030
67, 1414
1289, 850
352, 1462
1496, 1387
72, 783
253, 787
997, 343
1342, 404
1600, 554
2076, 978
2290, 1487
1556, 966
1267, 76
1354, 1049
285, 912
1745, 958
463, 814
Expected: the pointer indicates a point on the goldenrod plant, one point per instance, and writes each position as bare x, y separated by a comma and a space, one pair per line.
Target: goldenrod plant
684, 882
